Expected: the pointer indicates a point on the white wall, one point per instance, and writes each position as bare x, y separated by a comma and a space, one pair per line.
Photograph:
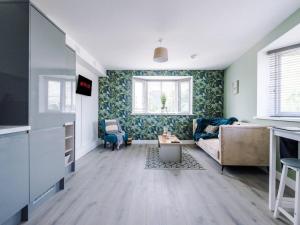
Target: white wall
86, 115
93, 65
244, 105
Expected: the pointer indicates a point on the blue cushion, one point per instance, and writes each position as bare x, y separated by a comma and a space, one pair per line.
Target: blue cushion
222, 121
202, 123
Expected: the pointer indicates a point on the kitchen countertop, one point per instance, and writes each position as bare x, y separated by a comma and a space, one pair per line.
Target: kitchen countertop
13, 129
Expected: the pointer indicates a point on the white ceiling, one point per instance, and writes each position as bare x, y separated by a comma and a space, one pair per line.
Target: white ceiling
122, 34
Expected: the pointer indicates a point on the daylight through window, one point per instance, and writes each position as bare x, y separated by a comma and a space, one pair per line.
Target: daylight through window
162, 95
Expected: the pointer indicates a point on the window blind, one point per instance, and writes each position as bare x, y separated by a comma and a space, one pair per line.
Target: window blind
284, 82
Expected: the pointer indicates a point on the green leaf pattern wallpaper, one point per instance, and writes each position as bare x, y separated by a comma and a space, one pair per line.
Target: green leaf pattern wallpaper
115, 102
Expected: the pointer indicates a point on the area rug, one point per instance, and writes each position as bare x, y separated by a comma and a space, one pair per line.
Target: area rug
188, 161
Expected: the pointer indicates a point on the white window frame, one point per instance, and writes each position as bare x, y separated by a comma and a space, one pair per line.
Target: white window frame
286, 40
178, 79
263, 81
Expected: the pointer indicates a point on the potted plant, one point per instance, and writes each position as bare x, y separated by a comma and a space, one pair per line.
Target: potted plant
163, 100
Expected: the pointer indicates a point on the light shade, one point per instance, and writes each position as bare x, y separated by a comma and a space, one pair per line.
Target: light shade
160, 55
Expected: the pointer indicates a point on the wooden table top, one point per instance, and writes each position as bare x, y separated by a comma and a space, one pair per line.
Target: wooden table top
163, 140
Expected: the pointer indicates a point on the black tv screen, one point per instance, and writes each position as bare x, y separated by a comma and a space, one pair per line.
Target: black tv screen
84, 86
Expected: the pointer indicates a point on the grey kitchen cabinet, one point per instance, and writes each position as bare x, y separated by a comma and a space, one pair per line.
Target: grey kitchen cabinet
46, 159
14, 67
36, 69
37, 88
50, 74
14, 174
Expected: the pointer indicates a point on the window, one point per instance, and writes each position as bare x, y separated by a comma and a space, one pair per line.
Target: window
148, 92
284, 81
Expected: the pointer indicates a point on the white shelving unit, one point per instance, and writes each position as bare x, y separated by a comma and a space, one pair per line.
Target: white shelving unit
70, 145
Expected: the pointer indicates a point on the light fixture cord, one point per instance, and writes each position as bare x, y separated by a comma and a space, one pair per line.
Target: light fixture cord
160, 41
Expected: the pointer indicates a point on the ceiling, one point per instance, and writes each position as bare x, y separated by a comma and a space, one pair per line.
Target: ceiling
122, 34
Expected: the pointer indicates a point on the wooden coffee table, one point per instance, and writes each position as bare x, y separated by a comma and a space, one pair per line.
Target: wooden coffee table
170, 149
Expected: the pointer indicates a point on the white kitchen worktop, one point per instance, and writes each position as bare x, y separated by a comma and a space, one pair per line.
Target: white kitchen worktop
13, 129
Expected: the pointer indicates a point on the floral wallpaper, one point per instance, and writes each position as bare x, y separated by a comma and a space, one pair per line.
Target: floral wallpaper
115, 102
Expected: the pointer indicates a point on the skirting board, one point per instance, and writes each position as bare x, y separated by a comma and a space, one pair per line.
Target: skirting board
289, 182
154, 142
83, 150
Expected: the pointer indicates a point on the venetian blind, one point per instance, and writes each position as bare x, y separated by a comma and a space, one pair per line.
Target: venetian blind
284, 81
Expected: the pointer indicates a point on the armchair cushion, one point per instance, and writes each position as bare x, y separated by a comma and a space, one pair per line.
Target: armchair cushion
112, 138
109, 136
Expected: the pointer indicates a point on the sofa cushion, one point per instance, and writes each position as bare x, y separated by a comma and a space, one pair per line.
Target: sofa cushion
211, 129
202, 123
205, 136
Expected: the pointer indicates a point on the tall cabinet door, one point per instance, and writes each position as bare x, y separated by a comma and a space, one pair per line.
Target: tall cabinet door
49, 75
46, 159
14, 51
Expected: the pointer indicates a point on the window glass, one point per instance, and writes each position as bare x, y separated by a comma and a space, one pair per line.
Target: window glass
138, 96
185, 96
169, 91
154, 94
290, 83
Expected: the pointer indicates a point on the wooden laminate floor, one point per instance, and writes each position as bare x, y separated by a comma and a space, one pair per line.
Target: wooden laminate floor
111, 188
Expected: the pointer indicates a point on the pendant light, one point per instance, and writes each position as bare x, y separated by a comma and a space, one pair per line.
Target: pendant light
160, 53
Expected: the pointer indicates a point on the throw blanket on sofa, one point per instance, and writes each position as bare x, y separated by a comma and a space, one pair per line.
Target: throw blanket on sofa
202, 123
113, 127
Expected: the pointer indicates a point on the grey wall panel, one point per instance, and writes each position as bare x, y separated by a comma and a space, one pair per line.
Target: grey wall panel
14, 174
14, 68
46, 159
49, 73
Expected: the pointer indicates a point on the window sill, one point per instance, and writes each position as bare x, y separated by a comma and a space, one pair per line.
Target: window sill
287, 119
162, 114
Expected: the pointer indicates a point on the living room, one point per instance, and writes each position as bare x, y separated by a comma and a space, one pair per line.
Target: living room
150, 112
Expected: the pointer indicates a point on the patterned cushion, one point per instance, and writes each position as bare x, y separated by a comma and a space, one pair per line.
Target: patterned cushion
111, 126
211, 129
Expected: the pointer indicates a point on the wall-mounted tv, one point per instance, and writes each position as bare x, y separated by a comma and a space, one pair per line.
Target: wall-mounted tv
84, 86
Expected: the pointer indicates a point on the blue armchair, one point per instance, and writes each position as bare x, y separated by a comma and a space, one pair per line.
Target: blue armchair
111, 138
